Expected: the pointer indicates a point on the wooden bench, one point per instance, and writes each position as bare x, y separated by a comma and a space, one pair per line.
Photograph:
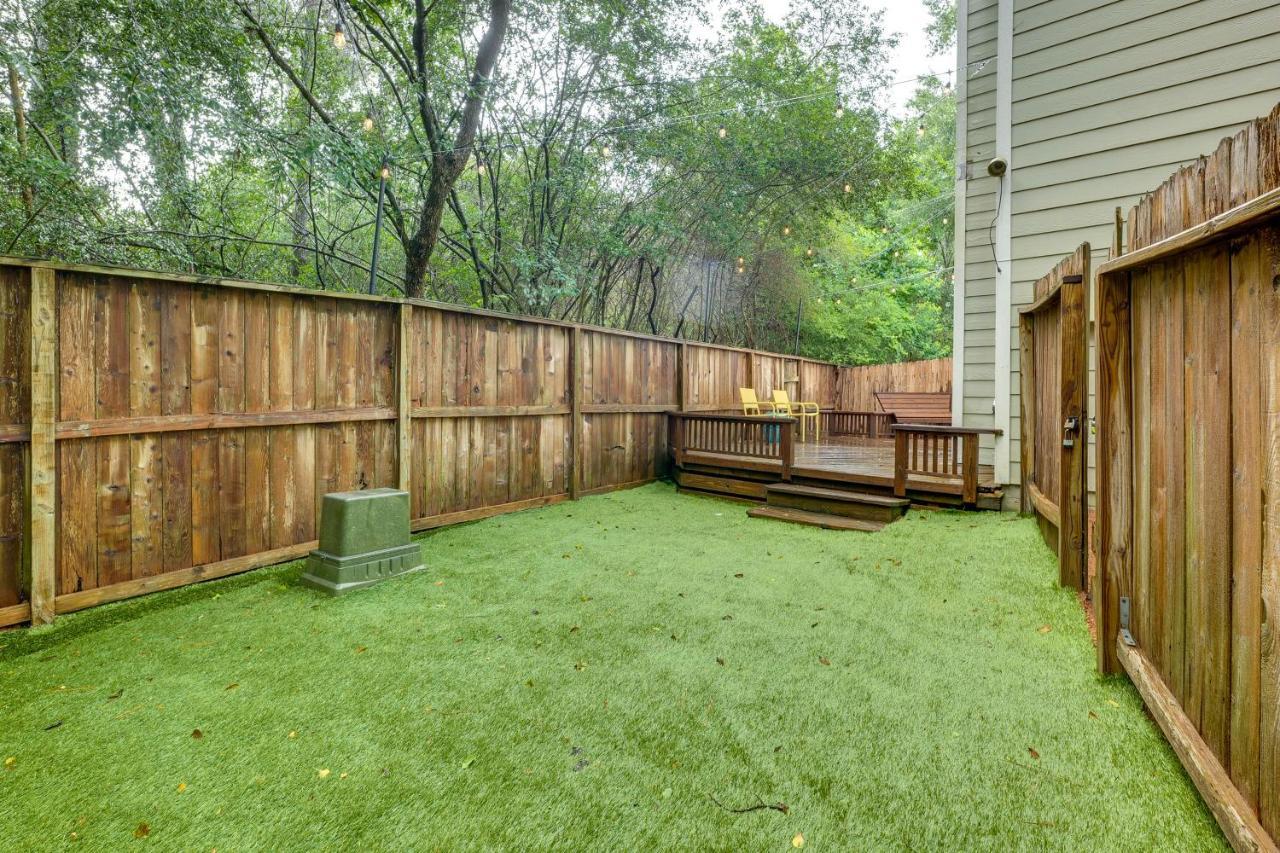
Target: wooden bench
917, 407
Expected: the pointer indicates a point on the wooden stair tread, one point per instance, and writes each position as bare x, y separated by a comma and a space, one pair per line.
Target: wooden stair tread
815, 519
837, 495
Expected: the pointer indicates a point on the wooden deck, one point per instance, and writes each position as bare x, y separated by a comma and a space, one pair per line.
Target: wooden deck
740, 457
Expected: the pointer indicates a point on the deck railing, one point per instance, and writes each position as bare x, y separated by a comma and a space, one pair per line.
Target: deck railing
869, 424
947, 453
701, 437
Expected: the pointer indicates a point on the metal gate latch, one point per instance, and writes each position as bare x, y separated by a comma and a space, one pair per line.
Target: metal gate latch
1124, 622
1069, 426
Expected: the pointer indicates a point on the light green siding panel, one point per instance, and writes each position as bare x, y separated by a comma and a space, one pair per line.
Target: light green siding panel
1117, 26
979, 372
982, 16
1196, 55
1177, 149
1144, 132
1029, 16
1120, 185
1197, 94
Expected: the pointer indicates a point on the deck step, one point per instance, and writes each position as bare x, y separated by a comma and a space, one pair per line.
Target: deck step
850, 504
815, 519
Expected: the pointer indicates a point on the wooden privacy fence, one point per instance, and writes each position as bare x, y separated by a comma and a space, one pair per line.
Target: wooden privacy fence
1187, 592
157, 430
858, 386
1053, 351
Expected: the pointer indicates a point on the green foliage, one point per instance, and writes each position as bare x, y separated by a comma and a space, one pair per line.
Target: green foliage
169, 137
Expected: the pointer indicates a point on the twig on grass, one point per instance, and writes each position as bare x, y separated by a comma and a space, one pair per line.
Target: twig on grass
760, 805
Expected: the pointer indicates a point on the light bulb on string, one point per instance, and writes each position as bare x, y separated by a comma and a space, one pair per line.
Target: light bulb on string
367, 123
848, 188
722, 132
839, 110
884, 229
741, 261
339, 37
480, 166
920, 131
384, 171
786, 230
605, 151
808, 253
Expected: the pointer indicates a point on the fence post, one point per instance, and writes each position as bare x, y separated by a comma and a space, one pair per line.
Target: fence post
575, 402
900, 463
42, 472
1027, 406
404, 413
970, 468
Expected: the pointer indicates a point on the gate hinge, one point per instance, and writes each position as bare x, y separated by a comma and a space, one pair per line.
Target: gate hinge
1124, 622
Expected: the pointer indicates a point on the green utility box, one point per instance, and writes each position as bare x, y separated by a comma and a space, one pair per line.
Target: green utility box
364, 538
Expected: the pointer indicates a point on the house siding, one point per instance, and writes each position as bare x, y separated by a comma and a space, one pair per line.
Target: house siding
1108, 98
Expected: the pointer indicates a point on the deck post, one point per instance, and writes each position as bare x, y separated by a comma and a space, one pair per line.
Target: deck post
899, 463
788, 450
970, 468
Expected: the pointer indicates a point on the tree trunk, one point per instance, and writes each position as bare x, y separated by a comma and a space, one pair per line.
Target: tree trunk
20, 129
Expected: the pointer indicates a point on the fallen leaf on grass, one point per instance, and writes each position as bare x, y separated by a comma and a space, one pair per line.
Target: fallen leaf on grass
293, 735
1044, 629
142, 831
1113, 703
10, 762
574, 629
823, 661
1093, 716
739, 575
798, 840
361, 649
55, 724
323, 773
580, 665
471, 759
116, 695
1031, 750
197, 734
233, 685
182, 786
720, 661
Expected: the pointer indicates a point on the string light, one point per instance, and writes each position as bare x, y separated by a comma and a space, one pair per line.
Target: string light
920, 131
605, 151
848, 188
385, 171
839, 110
480, 165
786, 230
741, 260
808, 253
367, 124
339, 37
722, 132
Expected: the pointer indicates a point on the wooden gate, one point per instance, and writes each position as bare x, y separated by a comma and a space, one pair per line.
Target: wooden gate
1054, 371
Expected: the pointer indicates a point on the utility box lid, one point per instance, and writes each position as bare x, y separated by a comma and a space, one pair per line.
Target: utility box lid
364, 538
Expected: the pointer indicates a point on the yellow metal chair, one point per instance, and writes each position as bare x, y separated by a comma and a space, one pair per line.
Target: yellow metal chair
752, 405
801, 411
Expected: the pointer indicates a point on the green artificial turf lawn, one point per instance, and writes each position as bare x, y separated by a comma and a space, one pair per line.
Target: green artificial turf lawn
591, 675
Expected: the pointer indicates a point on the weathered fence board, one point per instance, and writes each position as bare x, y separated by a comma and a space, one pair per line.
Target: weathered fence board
856, 387
1189, 420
